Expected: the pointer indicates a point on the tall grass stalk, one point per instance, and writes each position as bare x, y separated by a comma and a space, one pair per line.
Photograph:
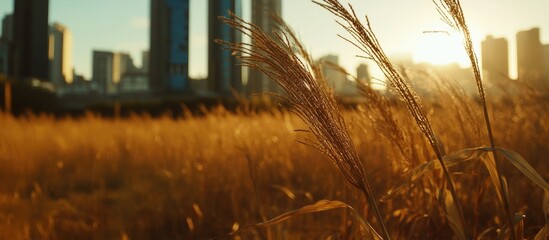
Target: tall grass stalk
284, 59
452, 13
366, 41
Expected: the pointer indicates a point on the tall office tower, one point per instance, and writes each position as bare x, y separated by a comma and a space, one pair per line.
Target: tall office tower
102, 69
4, 58
126, 63
363, 74
169, 46
224, 72
30, 33
145, 61
495, 59
262, 12
334, 78
107, 70
6, 41
529, 55
7, 28
60, 55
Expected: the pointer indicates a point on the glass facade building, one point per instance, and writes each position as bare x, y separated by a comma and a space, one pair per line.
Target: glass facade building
169, 46
224, 72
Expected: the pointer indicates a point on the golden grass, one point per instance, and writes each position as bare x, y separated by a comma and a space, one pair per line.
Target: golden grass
280, 58
310, 99
96, 178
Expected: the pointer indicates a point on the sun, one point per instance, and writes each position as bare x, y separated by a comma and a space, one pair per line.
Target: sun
439, 48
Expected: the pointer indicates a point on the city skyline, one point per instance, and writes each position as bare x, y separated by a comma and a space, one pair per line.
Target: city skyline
132, 28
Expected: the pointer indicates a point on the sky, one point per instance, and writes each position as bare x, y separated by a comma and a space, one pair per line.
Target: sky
400, 25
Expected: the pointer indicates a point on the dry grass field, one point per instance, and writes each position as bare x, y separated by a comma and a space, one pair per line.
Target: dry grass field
201, 177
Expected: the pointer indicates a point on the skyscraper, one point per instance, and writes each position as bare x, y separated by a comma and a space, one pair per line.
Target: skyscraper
169, 46
7, 27
126, 63
363, 74
6, 41
529, 55
60, 55
262, 12
102, 70
4, 59
224, 73
145, 61
334, 78
495, 59
30, 32
109, 68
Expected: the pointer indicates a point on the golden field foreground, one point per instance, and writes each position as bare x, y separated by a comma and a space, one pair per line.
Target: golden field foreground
204, 176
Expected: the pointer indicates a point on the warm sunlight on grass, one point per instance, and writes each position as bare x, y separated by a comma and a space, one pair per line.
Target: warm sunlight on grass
196, 178
420, 161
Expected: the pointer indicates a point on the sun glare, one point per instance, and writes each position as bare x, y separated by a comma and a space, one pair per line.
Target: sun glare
439, 48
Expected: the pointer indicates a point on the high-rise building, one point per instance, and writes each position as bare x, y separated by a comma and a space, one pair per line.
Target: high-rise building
109, 68
262, 16
30, 38
7, 28
60, 55
6, 43
529, 55
169, 46
334, 77
495, 59
224, 73
126, 63
363, 74
4, 58
102, 69
145, 61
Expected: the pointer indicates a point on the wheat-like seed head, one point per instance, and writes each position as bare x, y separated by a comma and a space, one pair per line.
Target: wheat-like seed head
285, 60
451, 13
366, 41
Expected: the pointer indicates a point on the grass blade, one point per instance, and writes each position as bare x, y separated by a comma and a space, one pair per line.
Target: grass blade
522, 165
320, 206
469, 154
490, 165
450, 160
452, 214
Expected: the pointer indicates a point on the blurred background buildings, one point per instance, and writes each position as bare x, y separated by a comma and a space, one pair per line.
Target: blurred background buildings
36, 53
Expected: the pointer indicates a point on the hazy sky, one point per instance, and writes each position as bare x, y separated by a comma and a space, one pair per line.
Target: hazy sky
122, 25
